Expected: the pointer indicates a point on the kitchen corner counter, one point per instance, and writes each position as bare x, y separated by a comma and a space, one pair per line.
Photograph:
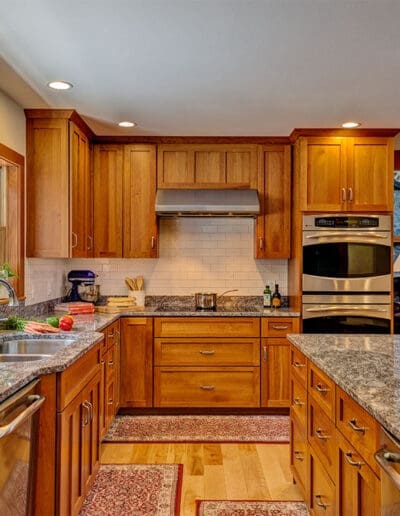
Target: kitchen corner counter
367, 367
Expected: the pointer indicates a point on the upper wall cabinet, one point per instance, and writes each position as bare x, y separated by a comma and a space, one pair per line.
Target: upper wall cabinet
273, 224
124, 199
59, 207
345, 173
207, 166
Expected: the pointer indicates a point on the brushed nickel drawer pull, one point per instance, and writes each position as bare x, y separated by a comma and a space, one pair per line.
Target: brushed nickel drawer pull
320, 503
265, 353
298, 455
74, 239
297, 401
260, 242
153, 242
319, 433
298, 364
321, 388
353, 425
207, 352
280, 326
355, 463
343, 194
207, 387
85, 420
350, 194
111, 362
110, 402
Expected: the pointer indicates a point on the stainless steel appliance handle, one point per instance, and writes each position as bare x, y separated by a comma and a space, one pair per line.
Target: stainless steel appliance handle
345, 307
384, 458
365, 234
35, 401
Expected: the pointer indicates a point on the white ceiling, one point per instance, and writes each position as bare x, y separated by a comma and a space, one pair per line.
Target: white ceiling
206, 67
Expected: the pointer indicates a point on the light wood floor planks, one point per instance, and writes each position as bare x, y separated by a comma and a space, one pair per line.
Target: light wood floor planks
216, 471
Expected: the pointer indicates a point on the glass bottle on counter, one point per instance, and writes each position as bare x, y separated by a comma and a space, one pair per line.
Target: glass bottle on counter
267, 297
276, 297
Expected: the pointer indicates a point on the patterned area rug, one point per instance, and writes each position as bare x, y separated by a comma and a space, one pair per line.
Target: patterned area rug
135, 489
250, 508
255, 429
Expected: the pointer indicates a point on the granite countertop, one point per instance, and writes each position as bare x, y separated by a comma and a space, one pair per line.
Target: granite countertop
14, 375
367, 367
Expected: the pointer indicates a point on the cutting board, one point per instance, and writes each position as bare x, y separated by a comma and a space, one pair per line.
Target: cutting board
118, 309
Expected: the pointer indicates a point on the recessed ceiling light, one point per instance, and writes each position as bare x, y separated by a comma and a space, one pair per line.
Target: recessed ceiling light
351, 125
125, 123
60, 85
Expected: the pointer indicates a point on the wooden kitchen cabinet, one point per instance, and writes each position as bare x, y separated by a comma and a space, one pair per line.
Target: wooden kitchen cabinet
272, 235
58, 185
275, 360
207, 166
136, 362
124, 201
78, 432
353, 174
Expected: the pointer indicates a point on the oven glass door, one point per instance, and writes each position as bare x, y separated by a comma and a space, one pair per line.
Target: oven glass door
346, 260
346, 324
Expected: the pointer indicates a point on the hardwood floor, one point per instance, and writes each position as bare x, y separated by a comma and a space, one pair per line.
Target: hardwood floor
217, 471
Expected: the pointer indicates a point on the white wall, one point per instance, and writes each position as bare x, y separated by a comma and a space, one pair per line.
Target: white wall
12, 124
208, 254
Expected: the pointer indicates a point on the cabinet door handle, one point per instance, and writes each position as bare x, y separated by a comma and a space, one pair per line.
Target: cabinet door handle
110, 402
265, 353
355, 463
111, 362
344, 195
280, 326
207, 387
207, 352
298, 455
153, 242
320, 388
298, 364
111, 335
74, 242
319, 502
350, 194
90, 243
320, 435
297, 401
85, 421
353, 424
260, 243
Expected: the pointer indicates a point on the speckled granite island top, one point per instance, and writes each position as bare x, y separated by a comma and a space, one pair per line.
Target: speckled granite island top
367, 367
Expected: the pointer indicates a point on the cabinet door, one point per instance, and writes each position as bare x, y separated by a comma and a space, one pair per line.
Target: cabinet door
139, 218
323, 173
175, 168
370, 174
273, 223
358, 487
275, 377
136, 362
241, 166
81, 194
299, 456
48, 228
107, 193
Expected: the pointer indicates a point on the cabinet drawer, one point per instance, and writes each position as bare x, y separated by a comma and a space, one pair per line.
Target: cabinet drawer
71, 381
299, 456
298, 402
207, 352
322, 389
196, 387
359, 427
279, 326
322, 489
206, 327
298, 365
321, 436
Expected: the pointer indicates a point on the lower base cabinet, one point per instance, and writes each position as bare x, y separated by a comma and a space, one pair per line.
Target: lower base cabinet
78, 445
299, 456
322, 489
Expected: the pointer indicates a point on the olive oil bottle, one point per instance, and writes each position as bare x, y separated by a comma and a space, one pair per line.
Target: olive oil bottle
267, 297
276, 297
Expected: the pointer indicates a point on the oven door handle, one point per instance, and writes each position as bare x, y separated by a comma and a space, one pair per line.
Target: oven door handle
365, 235
33, 403
384, 458
346, 307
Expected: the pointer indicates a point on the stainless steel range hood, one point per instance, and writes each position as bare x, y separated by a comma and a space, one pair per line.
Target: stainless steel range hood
202, 203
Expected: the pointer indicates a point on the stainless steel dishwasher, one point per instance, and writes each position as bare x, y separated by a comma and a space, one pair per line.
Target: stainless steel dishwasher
17, 448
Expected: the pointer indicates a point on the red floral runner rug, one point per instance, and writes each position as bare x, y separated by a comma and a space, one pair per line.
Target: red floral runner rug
250, 508
127, 489
231, 429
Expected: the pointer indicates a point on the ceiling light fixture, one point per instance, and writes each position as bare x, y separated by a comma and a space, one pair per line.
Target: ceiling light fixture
351, 125
125, 123
60, 85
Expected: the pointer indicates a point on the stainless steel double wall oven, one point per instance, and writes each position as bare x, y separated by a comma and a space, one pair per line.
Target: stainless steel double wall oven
347, 273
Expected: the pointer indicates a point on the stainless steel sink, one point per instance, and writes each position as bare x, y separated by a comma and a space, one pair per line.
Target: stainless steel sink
22, 357
33, 346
